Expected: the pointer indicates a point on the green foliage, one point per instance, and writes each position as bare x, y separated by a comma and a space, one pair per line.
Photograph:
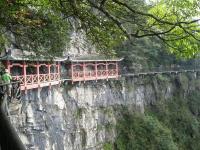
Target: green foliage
181, 117
194, 103
79, 112
33, 25
108, 146
145, 53
184, 81
163, 78
187, 47
182, 40
137, 132
43, 25
171, 124
83, 137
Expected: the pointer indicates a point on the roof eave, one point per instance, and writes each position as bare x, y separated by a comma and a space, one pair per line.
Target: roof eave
101, 60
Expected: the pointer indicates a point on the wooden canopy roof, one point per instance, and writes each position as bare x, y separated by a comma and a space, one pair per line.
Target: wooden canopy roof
94, 58
16, 54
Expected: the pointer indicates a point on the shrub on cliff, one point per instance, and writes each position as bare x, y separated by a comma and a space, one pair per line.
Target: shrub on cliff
181, 117
136, 132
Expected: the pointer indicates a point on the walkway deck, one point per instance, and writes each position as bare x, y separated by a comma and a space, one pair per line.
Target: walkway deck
155, 71
36, 81
42, 80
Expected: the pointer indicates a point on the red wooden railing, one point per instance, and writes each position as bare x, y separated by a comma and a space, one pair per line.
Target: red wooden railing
33, 80
81, 71
94, 75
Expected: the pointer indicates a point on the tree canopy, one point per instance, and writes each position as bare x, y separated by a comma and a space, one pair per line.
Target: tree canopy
45, 25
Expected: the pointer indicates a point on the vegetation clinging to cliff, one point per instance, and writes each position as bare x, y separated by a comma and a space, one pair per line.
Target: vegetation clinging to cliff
137, 132
167, 125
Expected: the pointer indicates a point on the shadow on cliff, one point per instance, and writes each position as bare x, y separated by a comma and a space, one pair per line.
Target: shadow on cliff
9, 139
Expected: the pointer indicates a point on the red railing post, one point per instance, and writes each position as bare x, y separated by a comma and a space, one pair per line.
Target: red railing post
49, 72
72, 72
84, 71
117, 70
58, 70
24, 73
38, 73
32, 79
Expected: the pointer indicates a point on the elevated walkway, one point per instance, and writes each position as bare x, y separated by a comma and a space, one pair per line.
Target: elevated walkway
41, 71
165, 70
37, 80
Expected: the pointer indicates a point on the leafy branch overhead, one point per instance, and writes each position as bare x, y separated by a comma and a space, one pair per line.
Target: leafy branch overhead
106, 23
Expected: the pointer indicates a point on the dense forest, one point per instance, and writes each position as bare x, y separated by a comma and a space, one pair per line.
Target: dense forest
45, 26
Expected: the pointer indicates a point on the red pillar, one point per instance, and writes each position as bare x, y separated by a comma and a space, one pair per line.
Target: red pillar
24, 74
117, 70
58, 69
96, 70
107, 70
84, 71
38, 73
72, 72
49, 72
8, 65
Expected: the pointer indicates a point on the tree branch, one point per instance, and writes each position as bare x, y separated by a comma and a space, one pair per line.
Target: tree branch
153, 33
189, 33
152, 16
108, 15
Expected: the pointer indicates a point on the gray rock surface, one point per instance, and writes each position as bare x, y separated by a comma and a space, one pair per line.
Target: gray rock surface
83, 115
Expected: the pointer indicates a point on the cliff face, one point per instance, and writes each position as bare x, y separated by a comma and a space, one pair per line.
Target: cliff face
83, 116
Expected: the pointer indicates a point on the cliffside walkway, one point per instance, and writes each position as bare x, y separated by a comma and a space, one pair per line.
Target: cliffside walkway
161, 70
9, 138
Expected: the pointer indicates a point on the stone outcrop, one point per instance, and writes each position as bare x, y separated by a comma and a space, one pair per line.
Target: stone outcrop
83, 115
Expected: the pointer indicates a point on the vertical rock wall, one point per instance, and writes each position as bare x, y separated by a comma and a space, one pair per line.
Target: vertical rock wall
83, 115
